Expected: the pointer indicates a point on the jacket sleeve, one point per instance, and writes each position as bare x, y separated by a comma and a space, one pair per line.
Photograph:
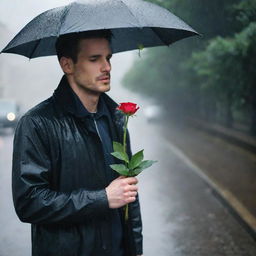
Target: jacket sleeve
136, 222
34, 200
135, 215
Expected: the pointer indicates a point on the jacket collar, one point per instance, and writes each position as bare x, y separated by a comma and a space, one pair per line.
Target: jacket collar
64, 97
70, 102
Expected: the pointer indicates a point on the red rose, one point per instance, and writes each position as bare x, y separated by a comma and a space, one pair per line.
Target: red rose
128, 108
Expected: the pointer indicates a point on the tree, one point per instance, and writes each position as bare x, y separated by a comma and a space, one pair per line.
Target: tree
227, 65
163, 72
219, 67
214, 75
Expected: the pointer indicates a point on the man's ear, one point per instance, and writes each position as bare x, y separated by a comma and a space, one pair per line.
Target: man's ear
67, 65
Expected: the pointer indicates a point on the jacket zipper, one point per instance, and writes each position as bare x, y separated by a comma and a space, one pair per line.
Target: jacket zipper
96, 126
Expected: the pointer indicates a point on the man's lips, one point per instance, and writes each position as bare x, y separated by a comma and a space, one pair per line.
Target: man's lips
104, 78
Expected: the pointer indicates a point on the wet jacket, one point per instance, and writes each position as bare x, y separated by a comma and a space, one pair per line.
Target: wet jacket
59, 181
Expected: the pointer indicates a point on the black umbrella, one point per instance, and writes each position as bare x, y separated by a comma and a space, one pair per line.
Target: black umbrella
134, 24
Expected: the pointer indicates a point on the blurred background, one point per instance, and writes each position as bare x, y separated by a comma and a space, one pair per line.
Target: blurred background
197, 118
211, 78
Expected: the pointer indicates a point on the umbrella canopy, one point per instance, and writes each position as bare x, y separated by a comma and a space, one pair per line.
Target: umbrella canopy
133, 23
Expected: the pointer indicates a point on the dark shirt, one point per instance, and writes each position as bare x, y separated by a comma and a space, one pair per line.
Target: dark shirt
100, 124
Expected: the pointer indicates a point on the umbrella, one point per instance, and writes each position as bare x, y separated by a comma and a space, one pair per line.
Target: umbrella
134, 24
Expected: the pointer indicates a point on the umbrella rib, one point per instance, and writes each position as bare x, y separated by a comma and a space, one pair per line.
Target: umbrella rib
130, 11
62, 18
64, 15
34, 49
154, 30
60, 21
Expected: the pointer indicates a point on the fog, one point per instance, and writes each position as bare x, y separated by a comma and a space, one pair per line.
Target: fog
31, 81
15, 14
181, 215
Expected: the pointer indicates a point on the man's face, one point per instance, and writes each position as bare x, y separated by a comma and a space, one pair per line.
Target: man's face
91, 72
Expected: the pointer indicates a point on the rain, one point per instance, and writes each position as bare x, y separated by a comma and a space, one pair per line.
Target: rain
199, 198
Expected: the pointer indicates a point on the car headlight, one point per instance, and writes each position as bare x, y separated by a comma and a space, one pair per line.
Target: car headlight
11, 116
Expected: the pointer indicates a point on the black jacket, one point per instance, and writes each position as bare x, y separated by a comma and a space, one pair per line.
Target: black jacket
59, 183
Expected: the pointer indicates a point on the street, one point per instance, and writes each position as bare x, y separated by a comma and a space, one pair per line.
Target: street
14, 235
199, 198
181, 215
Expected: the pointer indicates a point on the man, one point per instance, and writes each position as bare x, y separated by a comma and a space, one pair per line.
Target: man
62, 182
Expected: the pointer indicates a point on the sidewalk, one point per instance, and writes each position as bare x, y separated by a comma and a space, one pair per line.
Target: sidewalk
227, 160
233, 136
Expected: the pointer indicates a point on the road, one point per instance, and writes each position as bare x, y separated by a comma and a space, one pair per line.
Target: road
181, 215
14, 235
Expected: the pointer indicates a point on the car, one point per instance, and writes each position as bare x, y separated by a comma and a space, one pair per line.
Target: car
9, 113
153, 113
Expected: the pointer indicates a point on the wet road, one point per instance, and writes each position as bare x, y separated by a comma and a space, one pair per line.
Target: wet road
14, 235
181, 216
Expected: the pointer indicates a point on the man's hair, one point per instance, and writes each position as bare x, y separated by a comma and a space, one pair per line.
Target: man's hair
68, 45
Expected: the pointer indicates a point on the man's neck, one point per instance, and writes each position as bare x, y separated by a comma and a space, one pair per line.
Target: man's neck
89, 99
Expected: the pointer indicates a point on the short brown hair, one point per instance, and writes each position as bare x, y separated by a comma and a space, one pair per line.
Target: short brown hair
68, 45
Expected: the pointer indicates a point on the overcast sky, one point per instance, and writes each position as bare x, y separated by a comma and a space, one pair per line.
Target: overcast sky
15, 14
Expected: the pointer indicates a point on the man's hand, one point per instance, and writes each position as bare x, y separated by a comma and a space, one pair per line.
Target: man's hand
121, 191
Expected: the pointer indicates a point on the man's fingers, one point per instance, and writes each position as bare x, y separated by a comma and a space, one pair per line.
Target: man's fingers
120, 177
131, 194
129, 180
132, 180
133, 188
122, 191
130, 199
128, 188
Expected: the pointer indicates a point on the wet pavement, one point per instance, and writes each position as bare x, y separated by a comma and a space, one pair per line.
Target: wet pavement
14, 235
181, 215
230, 167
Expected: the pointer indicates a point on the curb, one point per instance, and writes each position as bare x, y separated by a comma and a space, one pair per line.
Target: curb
234, 206
237, 138
237, 209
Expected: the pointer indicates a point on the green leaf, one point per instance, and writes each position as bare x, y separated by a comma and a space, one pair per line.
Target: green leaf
121, 155
131, 174
145, 164
118, 147
120, 168
136, 171
136, 160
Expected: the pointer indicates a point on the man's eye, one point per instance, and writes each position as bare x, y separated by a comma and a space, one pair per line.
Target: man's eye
93, 60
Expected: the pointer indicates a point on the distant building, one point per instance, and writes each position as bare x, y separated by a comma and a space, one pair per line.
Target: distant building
5, 35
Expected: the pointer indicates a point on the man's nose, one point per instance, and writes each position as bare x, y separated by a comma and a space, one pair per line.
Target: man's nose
106, 66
